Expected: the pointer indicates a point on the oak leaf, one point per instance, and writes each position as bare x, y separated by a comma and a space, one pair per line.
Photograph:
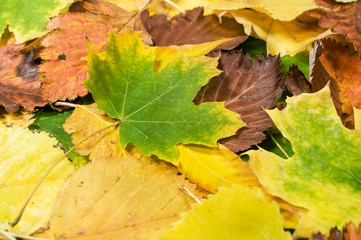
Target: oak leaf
25, 156
319, 176
155, 110
247, 88
232, 213
19, 85
64, 69
26, 19
121, 197
342, 19
193, 28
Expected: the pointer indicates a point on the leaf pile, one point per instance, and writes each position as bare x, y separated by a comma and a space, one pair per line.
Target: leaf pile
180, 119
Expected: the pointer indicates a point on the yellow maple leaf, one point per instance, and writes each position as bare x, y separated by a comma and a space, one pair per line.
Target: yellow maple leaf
25, 156
120, 198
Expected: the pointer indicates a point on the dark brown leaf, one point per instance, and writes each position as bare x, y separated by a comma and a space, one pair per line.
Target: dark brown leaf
18, 79
296, 81
192, 28
342, 18
349, 232
246, 89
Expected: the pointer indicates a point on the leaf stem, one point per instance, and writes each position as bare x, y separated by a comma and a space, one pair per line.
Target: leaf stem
17, 218
175, 5
189, 193
66, 104
278, 145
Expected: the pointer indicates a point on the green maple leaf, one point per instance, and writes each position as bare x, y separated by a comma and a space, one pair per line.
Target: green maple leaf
324, 174
27, 19
155, 110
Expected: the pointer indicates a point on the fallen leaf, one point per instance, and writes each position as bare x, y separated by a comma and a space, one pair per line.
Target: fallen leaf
296, 81
342, 19
7, 38
232, 213
51, 122
18, 79
192, 28
25, 156
282, 37
301, 60
130, 6
155, 110
319, 176
19, 15
123, 197
211, 168
64, 68
247, 88
86, 120
349, 232
22, 118
339, 64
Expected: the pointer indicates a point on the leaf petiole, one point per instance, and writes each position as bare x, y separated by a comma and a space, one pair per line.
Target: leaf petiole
18, 217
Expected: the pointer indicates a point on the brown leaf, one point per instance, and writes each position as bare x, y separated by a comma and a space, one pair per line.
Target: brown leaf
342, 18
339, 64
349, 232
192, 28
64, 69
246, 89
296, 81
18, 79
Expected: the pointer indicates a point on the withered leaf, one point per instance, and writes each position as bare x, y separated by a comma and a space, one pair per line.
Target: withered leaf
349, 232
342, 18
296, 81
19, 85
192, 28
246, 89
64, 70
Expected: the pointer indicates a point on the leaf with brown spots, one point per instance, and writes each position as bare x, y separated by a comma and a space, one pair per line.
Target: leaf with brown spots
246, 89
342, 18
193, 28
64, 68
19, 85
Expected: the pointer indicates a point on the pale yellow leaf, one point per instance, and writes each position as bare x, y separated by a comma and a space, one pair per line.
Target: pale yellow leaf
25, 156
22, 118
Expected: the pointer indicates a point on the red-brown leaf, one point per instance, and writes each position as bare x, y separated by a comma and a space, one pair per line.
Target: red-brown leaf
246, 89
192, 28
18, 79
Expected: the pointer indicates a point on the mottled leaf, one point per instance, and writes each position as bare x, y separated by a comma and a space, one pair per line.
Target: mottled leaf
26, 19
324, 174
18, 79
155, 110
64, 68
247, 88
342, 19
123, 197
282, 37
192, 28
232, 213
25, 156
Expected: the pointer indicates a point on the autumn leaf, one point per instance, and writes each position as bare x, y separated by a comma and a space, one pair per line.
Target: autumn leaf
18, 79
247, 88
136, 199
349, 232
232, 213
51, 122
19, 15
22, 118
155, 110
25, 156
211, 168
86, 120
64, 68
339, 64
342, 19
319, 176
192, 28
296, 81
282, 37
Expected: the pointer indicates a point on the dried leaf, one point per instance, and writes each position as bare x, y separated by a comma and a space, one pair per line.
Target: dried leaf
349, 232
246, 89
296, 81
18, 80
65, 69
192, 28
122, 197
342, 19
